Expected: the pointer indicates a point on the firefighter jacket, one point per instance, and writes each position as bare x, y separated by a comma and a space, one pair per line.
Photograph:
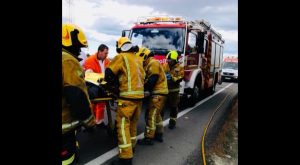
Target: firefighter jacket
153, 67
76, 106
128, 71
175, 75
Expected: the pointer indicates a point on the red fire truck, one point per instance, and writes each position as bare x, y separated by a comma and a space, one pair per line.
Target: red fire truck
200, 48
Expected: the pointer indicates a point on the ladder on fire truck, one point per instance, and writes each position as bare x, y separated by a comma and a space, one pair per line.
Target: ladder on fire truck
202, 25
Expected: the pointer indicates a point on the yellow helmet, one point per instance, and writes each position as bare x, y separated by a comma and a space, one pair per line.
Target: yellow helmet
69, 32
124, 44
143, 53
172, 55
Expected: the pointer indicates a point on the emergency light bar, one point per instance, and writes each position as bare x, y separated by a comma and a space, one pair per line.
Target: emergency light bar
153, 19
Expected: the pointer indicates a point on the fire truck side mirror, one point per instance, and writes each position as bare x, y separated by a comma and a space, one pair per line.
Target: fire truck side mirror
125, 33
200, 42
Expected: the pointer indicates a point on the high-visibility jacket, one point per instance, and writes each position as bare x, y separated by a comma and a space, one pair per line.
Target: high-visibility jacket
76, 106
93, 63
153, 67
177, 74
131, 75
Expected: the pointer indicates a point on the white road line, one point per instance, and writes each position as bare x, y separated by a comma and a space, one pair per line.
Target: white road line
114, 152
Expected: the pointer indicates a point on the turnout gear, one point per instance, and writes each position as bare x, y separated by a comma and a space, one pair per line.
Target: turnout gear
154, 122
73, 39
128, 113
144, 53
127, 70
145, 141
71, 34
156, 83
74, 112
123, 44
172, 55
159, 137
174, 73
76, 106
68, 148
154, 68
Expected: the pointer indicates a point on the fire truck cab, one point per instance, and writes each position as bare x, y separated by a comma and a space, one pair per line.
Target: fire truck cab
200, 48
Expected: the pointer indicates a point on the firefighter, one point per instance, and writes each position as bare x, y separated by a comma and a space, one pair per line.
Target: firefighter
156, 83
76, 106
126, 72
97, 64
174, 73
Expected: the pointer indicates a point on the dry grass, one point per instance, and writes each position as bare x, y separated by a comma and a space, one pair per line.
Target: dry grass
226, 141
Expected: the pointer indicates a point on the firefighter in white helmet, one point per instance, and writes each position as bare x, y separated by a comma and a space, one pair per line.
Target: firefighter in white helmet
126, 71
76, 106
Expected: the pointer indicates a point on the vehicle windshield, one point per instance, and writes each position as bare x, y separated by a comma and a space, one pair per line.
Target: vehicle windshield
230, 65
159, 40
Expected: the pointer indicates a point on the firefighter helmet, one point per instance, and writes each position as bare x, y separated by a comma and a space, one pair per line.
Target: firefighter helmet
172, 55
123, 44
72, 34
143, 53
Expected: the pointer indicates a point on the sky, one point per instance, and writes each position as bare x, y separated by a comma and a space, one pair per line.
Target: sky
103, 20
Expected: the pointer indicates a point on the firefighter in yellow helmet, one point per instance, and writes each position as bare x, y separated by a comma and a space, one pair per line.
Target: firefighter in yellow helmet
76, 106
126, 71
156, 83
174, 73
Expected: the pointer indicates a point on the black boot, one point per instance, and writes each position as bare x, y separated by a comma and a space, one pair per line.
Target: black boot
101, 125
121, 161
172, 124
159, 137
145, 141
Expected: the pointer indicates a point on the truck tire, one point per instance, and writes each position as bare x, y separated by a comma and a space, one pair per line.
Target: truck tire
212, 89
195, 95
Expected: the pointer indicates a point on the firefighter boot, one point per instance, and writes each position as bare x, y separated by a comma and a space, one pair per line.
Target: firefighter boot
172, 124
159, 137
121, 161
145, 141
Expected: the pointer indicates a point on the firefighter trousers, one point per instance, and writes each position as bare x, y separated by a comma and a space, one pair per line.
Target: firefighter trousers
172, 102
128, 113
69, 148
154, 122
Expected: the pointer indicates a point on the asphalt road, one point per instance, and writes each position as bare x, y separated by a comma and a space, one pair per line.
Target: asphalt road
179, 144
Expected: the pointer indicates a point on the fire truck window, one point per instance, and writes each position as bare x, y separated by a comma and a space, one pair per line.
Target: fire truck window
221, 54
205, 46
192, 43
213, 55
137, 39
159, 40
217, 64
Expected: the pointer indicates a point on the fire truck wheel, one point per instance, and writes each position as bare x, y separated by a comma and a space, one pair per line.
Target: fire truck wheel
213, 88
196, 92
